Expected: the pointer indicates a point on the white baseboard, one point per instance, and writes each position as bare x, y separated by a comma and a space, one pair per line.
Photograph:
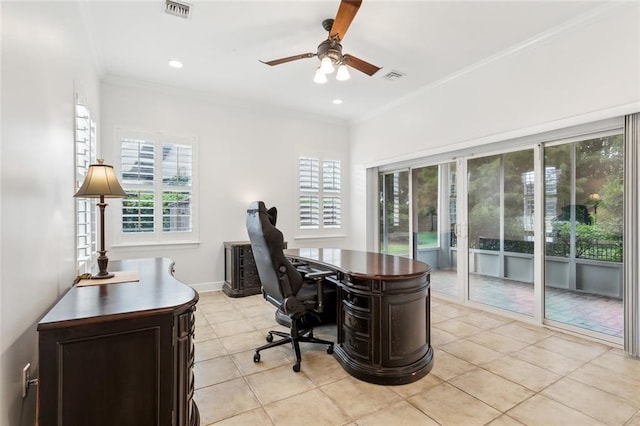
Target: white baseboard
205, 287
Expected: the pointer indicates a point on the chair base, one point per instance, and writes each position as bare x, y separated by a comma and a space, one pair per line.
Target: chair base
302, 336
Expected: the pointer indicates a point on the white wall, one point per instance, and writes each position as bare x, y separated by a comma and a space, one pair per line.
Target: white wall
245, 154
587, 70
44, 57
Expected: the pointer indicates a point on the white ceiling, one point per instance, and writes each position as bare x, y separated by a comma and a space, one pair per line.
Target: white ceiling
222, 41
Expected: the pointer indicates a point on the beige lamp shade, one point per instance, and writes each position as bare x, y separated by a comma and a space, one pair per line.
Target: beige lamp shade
101, 181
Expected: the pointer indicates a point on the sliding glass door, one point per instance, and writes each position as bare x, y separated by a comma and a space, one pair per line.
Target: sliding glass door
500, 205
434, 220
394, 213
584, 234
478, 221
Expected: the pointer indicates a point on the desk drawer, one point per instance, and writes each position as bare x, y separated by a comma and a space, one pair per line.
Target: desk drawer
356, 346
358, 283
357, 301
358, 324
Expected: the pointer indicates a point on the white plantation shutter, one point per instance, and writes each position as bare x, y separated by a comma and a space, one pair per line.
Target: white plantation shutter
309, 201
319, 193
331, 212
331, 204
85, 135
137, 159
138, 211
177, 171
309, 211
138, 162
177, 164
309, 171
176, 211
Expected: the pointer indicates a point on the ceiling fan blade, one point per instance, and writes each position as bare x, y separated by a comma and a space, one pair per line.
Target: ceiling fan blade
346, 12
360, 65
289, 59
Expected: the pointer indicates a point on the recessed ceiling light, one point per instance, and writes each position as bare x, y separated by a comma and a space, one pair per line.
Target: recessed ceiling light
175, 64
337, 101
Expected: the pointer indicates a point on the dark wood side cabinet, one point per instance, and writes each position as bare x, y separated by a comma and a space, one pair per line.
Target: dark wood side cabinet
240, 272
120, 354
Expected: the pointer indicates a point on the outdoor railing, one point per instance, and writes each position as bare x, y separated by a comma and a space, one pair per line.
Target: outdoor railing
594, 250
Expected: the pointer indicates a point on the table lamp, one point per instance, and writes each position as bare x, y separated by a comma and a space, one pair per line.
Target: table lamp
101, 182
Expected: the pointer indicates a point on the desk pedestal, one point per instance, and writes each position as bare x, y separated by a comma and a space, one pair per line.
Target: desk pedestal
383, 320
383, 330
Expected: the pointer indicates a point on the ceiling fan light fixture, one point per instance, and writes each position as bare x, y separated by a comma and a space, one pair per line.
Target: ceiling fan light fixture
326, 65
320, 77
343, 73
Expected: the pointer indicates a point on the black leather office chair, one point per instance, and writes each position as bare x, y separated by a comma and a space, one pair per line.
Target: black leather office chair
302, 300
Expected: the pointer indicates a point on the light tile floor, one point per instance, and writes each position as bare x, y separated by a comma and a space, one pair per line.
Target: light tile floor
488, 370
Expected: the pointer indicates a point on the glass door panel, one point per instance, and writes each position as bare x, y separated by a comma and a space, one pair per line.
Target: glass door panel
434, 219
501, 229
394, 213
583, 231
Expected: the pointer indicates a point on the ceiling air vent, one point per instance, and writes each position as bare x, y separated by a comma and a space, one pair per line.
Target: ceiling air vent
176, 8
393, 75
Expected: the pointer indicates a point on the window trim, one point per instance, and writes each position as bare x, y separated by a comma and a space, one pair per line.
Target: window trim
158, 237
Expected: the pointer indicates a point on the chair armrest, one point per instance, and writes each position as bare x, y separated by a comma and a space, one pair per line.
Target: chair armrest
316, 275
296, 263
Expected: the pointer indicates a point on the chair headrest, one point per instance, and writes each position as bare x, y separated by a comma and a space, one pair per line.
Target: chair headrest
256, 206
273, 215
259, 207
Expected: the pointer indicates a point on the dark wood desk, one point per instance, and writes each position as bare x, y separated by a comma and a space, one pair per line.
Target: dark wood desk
120, 354
383, 320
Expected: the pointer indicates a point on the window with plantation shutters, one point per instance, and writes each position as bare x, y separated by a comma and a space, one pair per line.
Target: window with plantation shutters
319, 193
157, 172
85, 146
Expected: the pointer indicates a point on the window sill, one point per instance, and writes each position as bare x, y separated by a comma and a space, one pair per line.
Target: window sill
146, 244
319, 237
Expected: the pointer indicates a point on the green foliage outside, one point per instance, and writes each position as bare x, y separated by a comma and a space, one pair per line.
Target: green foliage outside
591, 242
137, 212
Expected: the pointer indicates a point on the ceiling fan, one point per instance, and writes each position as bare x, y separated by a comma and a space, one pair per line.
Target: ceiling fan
330, 50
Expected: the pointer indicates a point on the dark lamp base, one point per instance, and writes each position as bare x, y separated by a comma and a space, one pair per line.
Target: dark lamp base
103, 262
101, 276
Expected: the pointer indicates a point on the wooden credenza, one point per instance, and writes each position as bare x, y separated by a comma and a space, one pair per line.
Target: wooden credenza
120, 354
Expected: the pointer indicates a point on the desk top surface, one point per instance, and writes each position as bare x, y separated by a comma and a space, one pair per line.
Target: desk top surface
362, 263
156, 291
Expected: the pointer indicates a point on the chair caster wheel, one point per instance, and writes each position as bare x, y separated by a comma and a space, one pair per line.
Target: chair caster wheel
296, 367
330, 349
256, 357
269, 337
